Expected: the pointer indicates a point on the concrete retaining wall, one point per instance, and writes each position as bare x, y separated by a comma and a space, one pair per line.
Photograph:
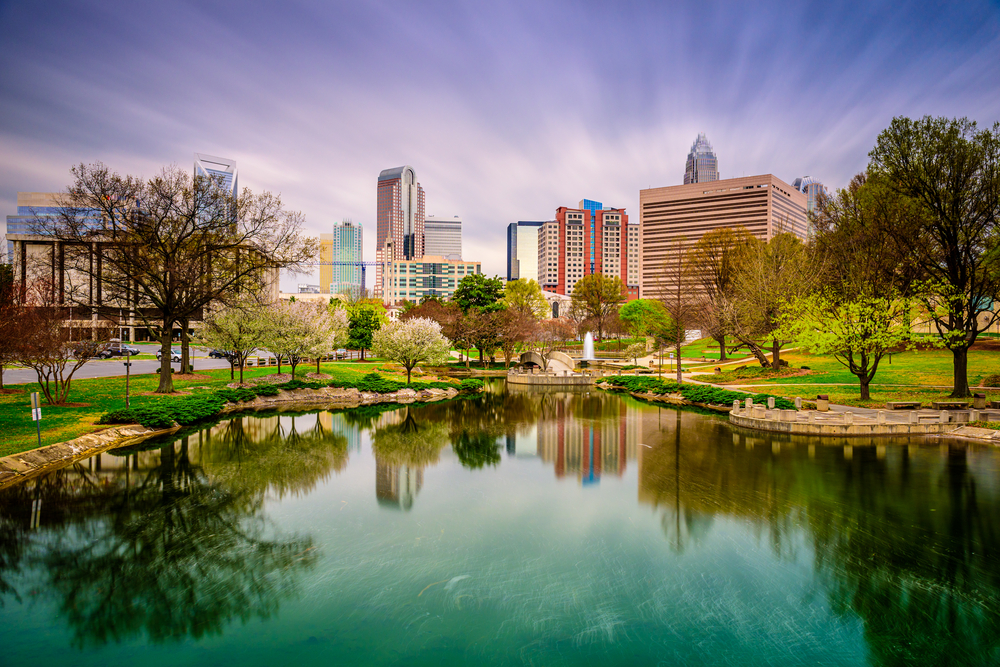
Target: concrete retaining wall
547, 380
826, 428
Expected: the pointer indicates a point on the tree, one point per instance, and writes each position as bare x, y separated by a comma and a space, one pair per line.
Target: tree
239, 329
862, 310
678, 296
552, 334
597, 298
46, 345
767, 277
364, 319
951, 171
713, 262
645, 317
12, 299
479, 297
300, 329
525, 298
479, 293
634, 351
173, 245
411, 342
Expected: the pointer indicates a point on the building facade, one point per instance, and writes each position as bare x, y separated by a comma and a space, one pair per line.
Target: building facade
399, 226
702, 164
32, 209
586, 240
814, 190
340, 257
522, 250
674, 218
413, 279
443, 237
223, 170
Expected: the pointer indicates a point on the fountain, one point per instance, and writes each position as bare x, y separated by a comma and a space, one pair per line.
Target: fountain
588, 350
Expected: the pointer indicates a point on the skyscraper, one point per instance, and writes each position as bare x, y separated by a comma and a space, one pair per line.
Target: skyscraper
702, 165
399, 227
522, 249
443, 237
340, 257
219, 168
813, 189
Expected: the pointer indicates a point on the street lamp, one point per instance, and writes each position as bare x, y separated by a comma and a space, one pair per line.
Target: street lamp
128, 365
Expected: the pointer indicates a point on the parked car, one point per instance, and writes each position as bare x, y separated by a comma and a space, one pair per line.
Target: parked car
219, 354
117, 349
175, 355
341, 353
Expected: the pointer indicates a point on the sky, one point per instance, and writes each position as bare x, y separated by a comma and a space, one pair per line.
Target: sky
506, 110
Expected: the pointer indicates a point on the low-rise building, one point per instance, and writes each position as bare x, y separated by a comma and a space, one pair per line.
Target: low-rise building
413, 279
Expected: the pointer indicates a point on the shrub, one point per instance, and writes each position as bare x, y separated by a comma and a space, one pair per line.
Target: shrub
236, 395
266, 390
991, 380
471, 385
375, 383
696, 393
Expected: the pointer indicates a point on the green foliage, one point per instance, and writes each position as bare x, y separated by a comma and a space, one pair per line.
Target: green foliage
236, 395
991, 380
597, 297
696, 393
364, 320
471, 385
266, 390
476, 450
525, 297
183, 411
375, 383
646, 317
479, 293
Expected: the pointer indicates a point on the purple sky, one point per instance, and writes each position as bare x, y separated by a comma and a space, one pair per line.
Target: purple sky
505, 110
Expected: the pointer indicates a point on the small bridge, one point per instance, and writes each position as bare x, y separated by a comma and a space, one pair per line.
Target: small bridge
558, 361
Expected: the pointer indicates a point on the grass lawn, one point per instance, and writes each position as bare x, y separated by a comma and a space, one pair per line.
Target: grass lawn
927, 375
89, 399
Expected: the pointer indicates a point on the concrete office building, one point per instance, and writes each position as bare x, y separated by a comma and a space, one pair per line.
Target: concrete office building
32, 208
674, 218
702, 164
522, 250
413, 279
221, 169
443, 237
399, 226
587, 240
340, 256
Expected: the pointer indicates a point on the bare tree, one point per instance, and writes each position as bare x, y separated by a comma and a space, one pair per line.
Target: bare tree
12, 298
168, 247
679, 298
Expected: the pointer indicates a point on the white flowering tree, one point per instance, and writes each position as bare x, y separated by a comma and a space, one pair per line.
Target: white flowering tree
411, 342
301, 329
239, 329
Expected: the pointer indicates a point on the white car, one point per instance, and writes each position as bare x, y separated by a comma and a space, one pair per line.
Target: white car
175, 355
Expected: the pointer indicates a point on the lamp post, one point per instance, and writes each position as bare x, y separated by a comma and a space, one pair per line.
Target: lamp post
128, 365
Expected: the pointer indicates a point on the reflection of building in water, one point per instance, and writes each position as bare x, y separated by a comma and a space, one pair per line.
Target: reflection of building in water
587, 435
337, 423
397, 485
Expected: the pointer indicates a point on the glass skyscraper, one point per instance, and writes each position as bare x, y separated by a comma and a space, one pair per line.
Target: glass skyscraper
813, 189
340, 259
443, 237
702, 164
223, 170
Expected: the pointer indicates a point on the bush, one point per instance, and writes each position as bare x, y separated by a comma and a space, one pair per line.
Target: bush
991, 380
265, 390
236, 395
375, 383
696, 393
470, 385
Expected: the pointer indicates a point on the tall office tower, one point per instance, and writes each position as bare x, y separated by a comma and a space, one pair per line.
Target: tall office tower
587, 240
219, 168
813, 189
399, 227
702, 165
674, 218
522, 250
340, 255
443, 237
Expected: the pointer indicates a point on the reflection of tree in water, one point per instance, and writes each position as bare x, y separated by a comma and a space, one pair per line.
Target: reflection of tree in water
410, 443
907, 545
476, 450
169, 555
257, 454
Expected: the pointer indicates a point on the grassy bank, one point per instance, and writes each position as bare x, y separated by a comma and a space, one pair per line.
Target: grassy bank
91, 398
924, 375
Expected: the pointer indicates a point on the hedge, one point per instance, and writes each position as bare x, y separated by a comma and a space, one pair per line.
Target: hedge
696, 393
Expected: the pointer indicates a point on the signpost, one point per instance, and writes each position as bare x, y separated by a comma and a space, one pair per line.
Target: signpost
36, 415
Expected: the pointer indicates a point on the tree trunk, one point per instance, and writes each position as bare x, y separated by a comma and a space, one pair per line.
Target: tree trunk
679, 343
1, 377
185, 345
757, 353
362, 357
166, 385
722, 347
961, 364
775, 354
408, 369
865, 384
242, 361
232, 369
317, 364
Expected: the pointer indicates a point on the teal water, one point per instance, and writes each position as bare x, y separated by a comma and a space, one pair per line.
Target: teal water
515, 528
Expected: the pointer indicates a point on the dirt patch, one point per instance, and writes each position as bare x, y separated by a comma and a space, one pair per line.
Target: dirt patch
192, 376
72, 405
153, 393
5, 392
986, 345
318, 376
276, 378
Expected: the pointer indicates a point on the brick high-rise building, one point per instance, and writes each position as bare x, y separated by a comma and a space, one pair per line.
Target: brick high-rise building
587, 240
399, 219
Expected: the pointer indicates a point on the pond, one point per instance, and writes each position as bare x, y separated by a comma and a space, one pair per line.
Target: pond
519, 527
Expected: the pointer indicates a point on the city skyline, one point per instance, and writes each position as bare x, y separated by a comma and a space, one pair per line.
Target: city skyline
470, 108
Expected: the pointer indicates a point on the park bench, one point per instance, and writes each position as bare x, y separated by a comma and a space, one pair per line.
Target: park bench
903, 405
995, 405
950, 405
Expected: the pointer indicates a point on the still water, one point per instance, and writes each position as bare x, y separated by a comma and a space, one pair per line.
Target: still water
514, 528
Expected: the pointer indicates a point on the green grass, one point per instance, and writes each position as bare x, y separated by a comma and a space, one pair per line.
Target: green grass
926, 374
105, 394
